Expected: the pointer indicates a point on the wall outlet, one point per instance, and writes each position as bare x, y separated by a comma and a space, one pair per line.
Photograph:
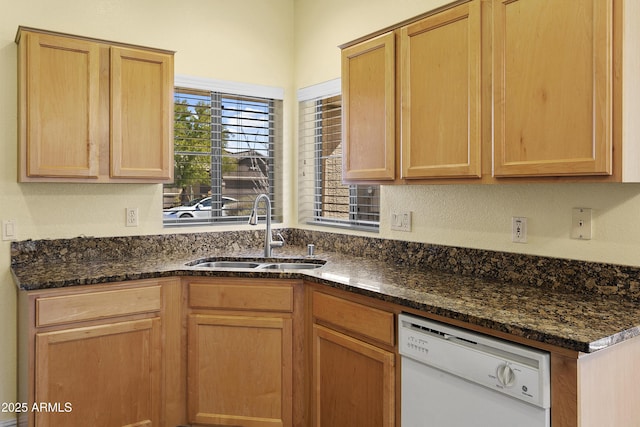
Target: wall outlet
519, 229
131, 219
581, 224
401, 220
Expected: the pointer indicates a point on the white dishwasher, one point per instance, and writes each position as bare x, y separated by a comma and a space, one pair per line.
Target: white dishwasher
452, 377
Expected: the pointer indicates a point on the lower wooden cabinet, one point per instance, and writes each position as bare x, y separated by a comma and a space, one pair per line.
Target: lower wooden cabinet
95, 355
240, 370
353, 364
249, 352
241, 353
353, 382
103, 375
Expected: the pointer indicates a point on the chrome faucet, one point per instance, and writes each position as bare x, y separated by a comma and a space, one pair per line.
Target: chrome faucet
253, 220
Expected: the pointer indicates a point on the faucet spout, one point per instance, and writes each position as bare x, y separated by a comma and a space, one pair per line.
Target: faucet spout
269, 244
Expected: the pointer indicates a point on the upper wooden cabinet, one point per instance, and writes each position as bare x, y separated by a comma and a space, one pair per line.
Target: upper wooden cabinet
440, 94
93, 111
60, 106
368, 114
552, 88
437, 72
493, 91
141, 114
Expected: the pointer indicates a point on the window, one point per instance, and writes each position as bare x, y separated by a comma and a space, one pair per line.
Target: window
323, 199
227, 148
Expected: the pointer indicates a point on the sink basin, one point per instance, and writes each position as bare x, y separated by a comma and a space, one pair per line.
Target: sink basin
257, 264
228, 264
291, 266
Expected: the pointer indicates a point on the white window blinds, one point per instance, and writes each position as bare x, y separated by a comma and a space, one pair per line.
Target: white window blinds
226, 152
323, 199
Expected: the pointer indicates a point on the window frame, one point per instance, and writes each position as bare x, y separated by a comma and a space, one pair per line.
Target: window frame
217, 90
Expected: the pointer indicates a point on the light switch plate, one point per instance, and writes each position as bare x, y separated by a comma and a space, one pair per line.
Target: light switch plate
401, 220
9, 229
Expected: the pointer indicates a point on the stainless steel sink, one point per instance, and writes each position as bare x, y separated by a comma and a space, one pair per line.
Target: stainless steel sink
227, 264
291, 266
256, 264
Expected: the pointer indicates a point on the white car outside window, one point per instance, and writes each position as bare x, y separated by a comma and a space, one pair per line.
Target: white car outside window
200, 208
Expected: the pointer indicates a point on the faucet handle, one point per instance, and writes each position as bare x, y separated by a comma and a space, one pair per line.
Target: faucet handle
278, 243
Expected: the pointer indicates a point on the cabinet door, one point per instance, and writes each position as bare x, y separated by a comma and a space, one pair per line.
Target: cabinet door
353, 382
106, 375
552, 87
141, 114
440, 84
240, 371
368, 99
59, 98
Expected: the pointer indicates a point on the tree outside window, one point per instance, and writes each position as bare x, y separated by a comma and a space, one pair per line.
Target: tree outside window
224, 156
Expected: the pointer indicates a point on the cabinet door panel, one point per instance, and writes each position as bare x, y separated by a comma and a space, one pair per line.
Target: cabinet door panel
552, 87
353, 382
368, 97
62, 106
240, 371
440, 83
141, 114
109, 375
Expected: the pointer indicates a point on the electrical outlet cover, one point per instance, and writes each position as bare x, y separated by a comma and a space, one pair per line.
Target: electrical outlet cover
581, 224
131, 219
519, 229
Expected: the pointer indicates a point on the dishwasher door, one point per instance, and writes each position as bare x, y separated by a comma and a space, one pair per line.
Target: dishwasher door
433, 398
453, 377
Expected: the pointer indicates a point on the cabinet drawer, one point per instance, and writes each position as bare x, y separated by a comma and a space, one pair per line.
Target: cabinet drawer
361, 319
269, 297
97, 305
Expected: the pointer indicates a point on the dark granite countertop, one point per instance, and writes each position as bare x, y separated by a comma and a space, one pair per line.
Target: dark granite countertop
582, 322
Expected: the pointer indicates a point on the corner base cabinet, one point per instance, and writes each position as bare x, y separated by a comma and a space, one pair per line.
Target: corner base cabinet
241, 352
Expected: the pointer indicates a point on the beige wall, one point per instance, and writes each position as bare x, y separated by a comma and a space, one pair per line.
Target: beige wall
255, 41
247, 41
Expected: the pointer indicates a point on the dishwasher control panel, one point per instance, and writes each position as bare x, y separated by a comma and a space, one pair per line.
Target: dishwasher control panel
519, 371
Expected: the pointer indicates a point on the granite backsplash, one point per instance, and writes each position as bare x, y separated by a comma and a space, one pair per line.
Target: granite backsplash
554, 273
